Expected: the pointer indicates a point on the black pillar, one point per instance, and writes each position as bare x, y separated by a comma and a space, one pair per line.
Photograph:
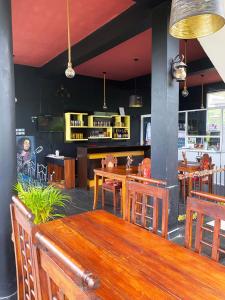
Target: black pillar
164, 107
7, 150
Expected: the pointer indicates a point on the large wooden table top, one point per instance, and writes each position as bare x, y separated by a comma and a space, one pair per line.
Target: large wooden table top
132, 263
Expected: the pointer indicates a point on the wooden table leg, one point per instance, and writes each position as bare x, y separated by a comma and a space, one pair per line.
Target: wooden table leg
124, 208
190, 184
96, 186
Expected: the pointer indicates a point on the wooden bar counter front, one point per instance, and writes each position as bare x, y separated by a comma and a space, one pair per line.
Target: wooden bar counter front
132, 263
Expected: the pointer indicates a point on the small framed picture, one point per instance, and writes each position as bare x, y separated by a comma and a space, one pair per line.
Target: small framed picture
121, 110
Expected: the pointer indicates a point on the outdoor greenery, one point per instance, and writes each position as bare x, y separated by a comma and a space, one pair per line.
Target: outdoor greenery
42, 201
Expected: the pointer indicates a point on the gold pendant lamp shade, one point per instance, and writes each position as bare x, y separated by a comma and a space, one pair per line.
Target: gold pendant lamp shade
192, 19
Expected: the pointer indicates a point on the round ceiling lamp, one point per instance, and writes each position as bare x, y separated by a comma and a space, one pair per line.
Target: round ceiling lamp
69, 72
194, 19
134, 99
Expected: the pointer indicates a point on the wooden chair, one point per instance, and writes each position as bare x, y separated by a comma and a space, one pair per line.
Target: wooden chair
61, 277
111, 185
143, 200
205, 210
145, 168
22, 226
205, 164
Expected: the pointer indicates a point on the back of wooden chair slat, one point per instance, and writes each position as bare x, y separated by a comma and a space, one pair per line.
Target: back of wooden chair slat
22, 226
143, 201
205, 210
65, 277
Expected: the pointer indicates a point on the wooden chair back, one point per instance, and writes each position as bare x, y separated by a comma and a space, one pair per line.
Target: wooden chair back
206, 211
145, 168
61, 277
22, 226
206, 162
144, 201
109, 162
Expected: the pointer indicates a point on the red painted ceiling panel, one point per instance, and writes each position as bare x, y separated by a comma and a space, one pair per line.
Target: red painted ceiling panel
211, 76
118, 61
39, 26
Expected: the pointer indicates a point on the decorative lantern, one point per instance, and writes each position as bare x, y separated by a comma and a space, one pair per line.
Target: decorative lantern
179, 68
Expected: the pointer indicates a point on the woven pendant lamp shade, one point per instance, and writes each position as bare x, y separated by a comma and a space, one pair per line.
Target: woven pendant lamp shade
192, 19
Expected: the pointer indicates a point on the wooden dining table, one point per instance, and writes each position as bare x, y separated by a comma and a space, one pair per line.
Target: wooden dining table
119, 173
133, 263
189, 167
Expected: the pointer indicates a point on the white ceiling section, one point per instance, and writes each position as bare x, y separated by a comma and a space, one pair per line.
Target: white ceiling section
214, 46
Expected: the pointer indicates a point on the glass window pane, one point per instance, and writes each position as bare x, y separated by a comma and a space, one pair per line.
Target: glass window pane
214, 121
197, 122
216, 99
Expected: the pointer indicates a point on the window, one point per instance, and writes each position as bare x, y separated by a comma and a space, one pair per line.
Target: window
216, 99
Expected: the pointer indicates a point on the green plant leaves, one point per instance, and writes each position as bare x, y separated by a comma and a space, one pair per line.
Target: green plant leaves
42, 201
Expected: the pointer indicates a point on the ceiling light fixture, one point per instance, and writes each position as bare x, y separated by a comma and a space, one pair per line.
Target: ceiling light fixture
104, 94
70, 73
194, 19
185, 92
135, 100
202, 98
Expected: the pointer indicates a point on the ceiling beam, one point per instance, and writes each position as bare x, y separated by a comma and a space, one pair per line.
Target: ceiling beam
133, 21
199, 66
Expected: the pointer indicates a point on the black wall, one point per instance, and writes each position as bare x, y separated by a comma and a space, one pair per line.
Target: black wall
37, 95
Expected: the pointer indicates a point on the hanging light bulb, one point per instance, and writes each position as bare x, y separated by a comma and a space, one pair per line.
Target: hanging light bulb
202, 98
185, 92
104, 97
194, 19
69, 72
135, 100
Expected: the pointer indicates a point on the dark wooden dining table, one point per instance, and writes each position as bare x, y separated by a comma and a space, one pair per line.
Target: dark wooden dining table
189, 167
133, 263
119, 173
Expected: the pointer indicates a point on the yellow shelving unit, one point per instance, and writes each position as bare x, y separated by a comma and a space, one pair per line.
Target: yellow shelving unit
74, 125
121, 127
81, 127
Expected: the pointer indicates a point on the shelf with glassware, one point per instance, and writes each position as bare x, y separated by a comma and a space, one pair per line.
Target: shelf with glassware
75, 127
81, 127
121, 127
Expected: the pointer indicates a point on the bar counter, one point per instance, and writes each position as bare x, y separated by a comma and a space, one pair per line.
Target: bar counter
89, 158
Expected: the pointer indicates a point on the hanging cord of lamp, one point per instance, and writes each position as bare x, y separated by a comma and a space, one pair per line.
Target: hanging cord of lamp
185, 92
104, 93
70, 73
202, 98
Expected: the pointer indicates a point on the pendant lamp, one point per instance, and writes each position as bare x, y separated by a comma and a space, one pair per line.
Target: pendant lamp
70, 73
104, 95
192, 19
135, 100
202, 97
185, 92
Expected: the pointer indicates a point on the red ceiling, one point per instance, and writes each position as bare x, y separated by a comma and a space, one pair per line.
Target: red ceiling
211, 76
39, 26
118, 61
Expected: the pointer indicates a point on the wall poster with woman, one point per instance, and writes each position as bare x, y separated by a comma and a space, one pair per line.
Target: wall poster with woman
26, 158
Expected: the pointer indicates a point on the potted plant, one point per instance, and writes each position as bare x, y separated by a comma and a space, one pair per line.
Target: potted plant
42, 201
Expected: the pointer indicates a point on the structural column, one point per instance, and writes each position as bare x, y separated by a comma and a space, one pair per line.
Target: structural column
164, 107
7, 151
